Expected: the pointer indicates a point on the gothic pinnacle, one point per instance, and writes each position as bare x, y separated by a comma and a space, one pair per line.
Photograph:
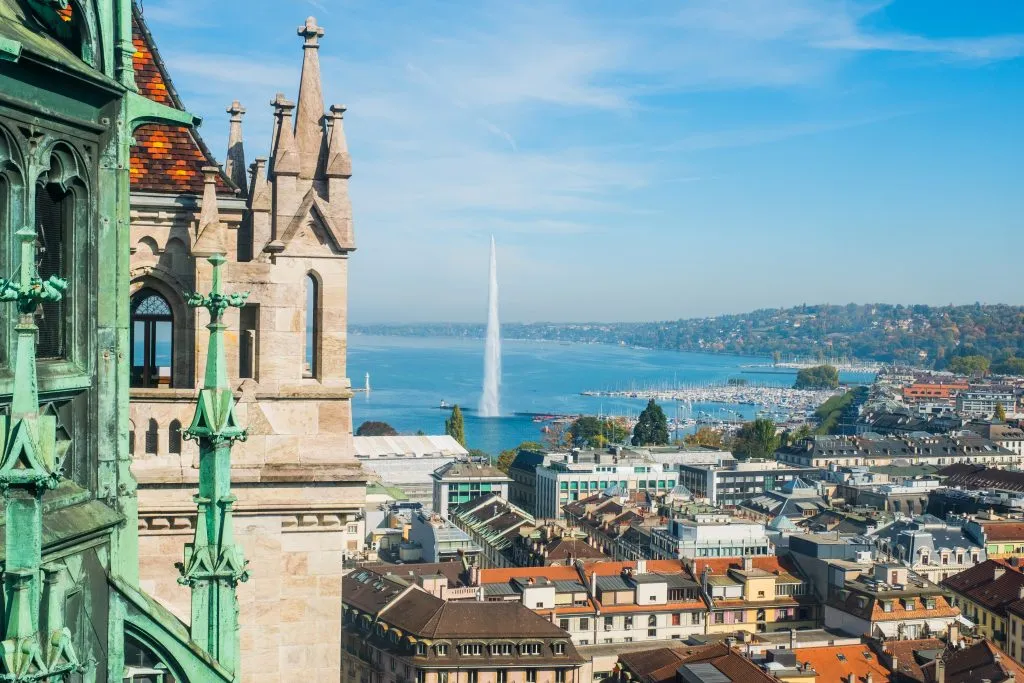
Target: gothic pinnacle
234, 165
309, 116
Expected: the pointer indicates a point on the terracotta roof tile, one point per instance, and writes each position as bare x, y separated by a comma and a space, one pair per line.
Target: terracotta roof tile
856, 659
908, 663
1003, 531
554, 573
165, 158
981, 661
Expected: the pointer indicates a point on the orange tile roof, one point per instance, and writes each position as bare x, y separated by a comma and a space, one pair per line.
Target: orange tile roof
898, 613
857, 659
615, 568
554, 573
906, 662
165, 158
722, 565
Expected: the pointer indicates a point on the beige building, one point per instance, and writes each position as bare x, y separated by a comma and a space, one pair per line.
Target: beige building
285, 228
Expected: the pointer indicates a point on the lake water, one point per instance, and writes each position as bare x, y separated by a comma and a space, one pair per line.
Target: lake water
410, 377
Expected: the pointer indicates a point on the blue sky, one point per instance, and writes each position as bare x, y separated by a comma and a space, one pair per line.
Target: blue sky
646, 160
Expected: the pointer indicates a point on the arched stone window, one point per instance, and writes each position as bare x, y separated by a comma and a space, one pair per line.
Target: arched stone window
152, 437
174, 437
152, 338
311, 359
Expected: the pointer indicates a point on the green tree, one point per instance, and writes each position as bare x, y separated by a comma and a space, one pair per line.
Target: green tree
797, 435
757, 439
818, 377
705, 436
507, 456
595, 432
455, 427
1009, 366
652, 427
1000, 413
972, 366
374, 428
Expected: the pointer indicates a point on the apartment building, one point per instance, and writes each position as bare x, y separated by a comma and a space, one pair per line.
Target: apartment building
394, 631
891, 602
755, 594
710, 535
984, 594
730, 485
571, 477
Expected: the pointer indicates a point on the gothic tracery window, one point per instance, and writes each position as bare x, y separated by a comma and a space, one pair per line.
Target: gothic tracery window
152, 340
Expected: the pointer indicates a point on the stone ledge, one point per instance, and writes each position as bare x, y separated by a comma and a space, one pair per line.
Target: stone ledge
267, 474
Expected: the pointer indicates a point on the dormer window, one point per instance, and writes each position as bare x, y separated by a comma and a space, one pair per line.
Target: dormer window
501, 650
472, 649
558, 648
886, 605
441, 650
530, 649
421, 649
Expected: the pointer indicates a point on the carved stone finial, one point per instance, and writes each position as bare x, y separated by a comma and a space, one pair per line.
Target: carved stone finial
236, 110
311, 32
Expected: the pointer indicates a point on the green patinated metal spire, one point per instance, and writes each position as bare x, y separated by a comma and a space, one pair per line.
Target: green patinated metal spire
214, 564
31, 650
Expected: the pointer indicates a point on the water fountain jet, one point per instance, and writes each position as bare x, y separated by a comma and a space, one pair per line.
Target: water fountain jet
490, 400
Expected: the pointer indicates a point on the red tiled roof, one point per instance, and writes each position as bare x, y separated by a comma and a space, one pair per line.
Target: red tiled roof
554, 573
615, 568
993, 584
856, 659
165, 158
721, 566
907, 663
1003, 531
981, 661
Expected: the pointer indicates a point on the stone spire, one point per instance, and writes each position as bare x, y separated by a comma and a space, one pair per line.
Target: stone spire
234, 166
259, 205
339, 165
309, 128
286, 156
210, 238
214, 564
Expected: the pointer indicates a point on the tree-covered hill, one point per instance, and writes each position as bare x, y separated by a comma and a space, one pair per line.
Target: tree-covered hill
919, 335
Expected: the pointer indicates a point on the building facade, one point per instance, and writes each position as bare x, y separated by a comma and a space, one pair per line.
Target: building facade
462, 481
577, 475
710, 535
731, 485
397, 632
283, 226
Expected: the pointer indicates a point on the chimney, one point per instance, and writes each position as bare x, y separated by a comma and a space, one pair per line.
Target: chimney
474, 575
792, 639
748, 563
851, 678
940, 669
210, 237
309, 116
869, 678
234, 164
593, 583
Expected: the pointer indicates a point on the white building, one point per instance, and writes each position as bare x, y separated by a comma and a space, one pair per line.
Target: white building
573, 476
464, 480
982, 402
710, 535
407, 461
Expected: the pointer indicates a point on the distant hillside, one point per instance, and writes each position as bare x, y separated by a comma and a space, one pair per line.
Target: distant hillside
920, 335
